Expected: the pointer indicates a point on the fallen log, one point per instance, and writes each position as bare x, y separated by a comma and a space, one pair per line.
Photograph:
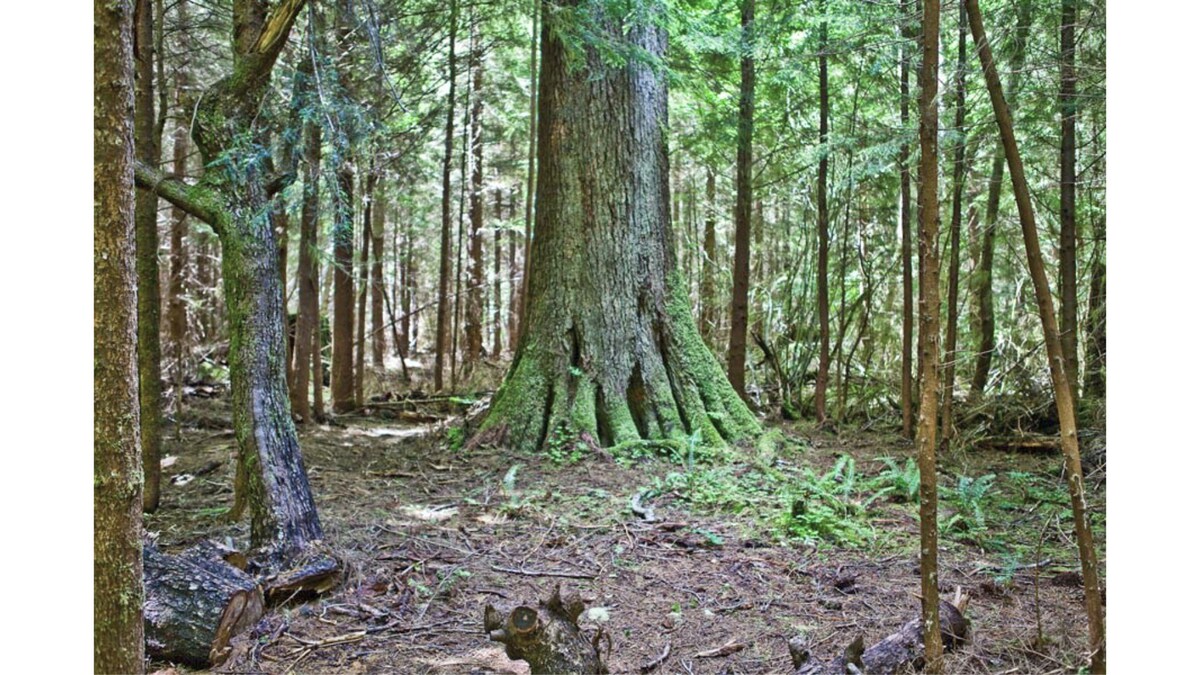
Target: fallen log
194, 605
898, 652
309, 574
547, 637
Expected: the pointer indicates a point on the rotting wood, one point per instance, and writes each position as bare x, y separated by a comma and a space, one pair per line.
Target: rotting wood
547, 637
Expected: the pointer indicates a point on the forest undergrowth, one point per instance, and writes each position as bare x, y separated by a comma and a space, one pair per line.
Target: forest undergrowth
803, 531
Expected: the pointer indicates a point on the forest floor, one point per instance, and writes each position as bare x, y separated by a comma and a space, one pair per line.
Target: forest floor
803, 534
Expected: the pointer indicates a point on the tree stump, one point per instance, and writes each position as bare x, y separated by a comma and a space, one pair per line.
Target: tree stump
194, 604
893, 654
546, 637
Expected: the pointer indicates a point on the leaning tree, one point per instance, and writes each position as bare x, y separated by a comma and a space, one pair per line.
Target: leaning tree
233, 197
609, 353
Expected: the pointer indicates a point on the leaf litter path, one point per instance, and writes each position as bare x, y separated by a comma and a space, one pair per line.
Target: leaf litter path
431, 535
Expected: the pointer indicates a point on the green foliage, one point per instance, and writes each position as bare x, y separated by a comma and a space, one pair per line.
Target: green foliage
968, 497
456, 437
899, 483
822, 507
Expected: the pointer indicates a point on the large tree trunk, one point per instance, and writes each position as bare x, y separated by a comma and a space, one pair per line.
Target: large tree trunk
822, 382
739, 305
147, 148
984, 303
1063, 395
116, 452
610, 352
927, 338
960, 157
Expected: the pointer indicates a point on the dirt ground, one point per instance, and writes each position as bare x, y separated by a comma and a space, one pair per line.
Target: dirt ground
431, 534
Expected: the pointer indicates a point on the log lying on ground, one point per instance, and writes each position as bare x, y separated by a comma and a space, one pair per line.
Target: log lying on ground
546, 637
311, 573
895, 653
194, 604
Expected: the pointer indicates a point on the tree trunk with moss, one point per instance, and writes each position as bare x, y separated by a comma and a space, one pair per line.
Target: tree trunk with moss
116, 455
233, 197
609, 353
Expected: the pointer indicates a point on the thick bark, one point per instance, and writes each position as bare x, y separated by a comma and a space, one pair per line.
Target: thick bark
610, 353
147, 148
342, 365
906, 327
822, 382
984, 303
739, 305
307, 272
956, 212
547, 637
927, 340
1063, 396
476, 288
442, 338
1068, 288
116, 451
194, 605
708, 280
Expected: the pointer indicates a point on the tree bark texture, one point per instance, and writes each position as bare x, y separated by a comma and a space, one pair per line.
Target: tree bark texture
609, 352
475, 279
308, 271
822, 382
445, 262
1068, 285
739, 305
342, 365
956, 213
116, 450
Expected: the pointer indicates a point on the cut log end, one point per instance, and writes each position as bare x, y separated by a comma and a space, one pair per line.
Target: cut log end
547, 637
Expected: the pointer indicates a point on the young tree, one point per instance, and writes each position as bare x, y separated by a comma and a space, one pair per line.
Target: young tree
116, 453
1068, 286
233, 197
609, 353
475, 281
708, 279
739, 305
306, 354
378, 225
906, 328
1063, 396
956, 212
176, 308
146, 141
442, 339
927, 339
823, 223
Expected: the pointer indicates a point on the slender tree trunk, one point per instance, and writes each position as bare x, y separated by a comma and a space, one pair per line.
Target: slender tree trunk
378, 225
1063, 396
929, 313
342, 366
708, 280
823, 223
531, 167
1097, 347
364, 284
985, 306
147, 148
475, 279
442, 339
281, 222
609, 353
116, 453
960, 158
906, 330
739, 305
308, 273
1069, 330
514, 275
405, 290
176, 307
497, 344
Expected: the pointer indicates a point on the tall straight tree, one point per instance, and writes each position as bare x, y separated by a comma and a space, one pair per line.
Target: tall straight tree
739, 305
928, 313
147, 147
956, 213
610, 353
531, 168
708, 279
823, 222
497, 333
1067, 284
116, 453
233, 197
378, 225
176, 308
906, 327
445, 262
364, 283
1063, 396
984, 302
306, 352
476, 288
